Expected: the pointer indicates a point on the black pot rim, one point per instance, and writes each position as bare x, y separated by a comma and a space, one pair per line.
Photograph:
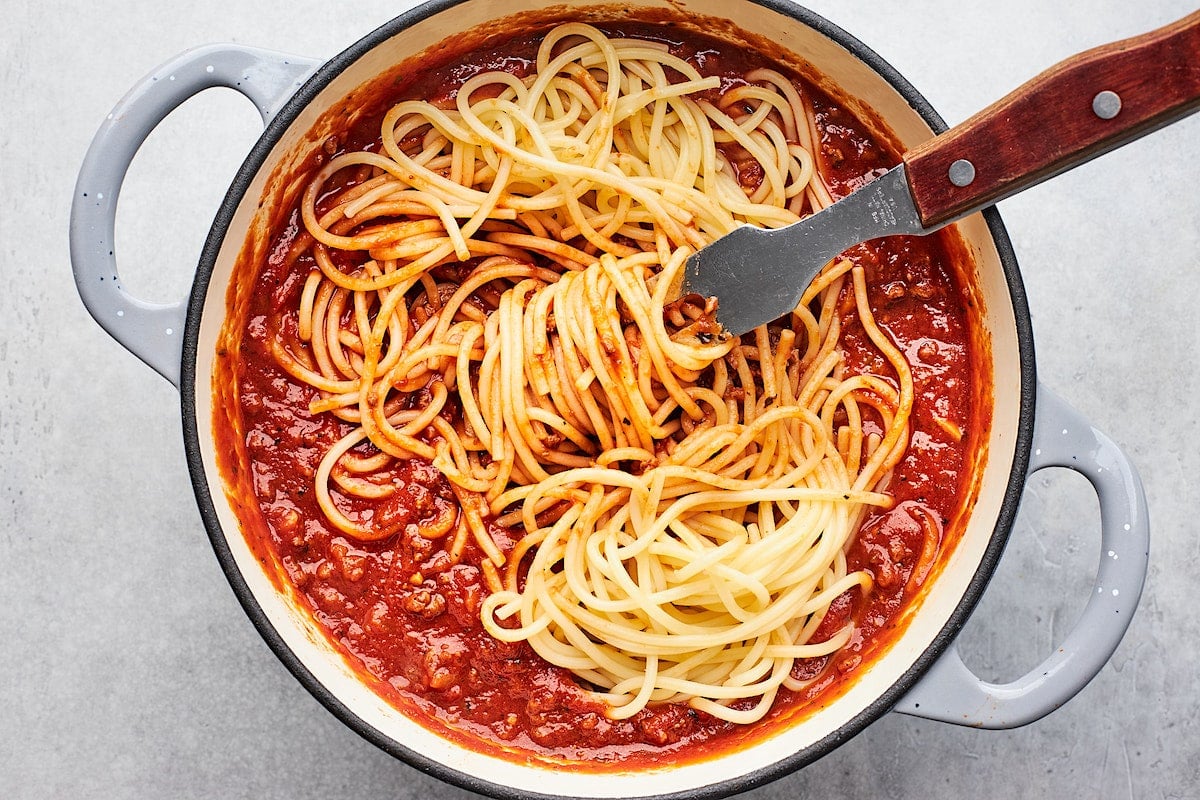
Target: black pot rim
195, 460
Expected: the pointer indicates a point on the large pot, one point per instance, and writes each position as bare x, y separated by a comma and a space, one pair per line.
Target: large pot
921, 674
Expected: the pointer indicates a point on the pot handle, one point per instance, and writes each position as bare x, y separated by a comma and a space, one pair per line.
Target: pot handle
154, 331
950, 692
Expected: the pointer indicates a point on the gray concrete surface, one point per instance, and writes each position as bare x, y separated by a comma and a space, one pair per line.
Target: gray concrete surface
127, 668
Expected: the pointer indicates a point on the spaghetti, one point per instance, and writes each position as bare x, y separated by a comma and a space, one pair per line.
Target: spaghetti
493, 294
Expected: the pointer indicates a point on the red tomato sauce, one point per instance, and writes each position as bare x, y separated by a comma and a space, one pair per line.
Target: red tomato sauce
408, 617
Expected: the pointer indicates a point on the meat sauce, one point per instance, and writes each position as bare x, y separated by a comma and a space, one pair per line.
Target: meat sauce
408, 617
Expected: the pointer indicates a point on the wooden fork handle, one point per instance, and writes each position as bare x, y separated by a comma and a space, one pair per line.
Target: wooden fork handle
1085, 106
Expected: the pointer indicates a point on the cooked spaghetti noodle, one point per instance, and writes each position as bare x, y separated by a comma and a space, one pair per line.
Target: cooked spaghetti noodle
494, 295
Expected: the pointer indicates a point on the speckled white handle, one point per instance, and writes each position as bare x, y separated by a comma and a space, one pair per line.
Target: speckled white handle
154, 331
950, 692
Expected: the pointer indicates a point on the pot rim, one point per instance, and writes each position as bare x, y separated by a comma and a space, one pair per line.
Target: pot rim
193, 451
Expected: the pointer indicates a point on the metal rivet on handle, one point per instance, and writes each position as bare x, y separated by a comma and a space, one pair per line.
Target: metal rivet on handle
962, 173
1106, 104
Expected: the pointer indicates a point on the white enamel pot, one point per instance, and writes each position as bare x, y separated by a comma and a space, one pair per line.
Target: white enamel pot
921, 674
